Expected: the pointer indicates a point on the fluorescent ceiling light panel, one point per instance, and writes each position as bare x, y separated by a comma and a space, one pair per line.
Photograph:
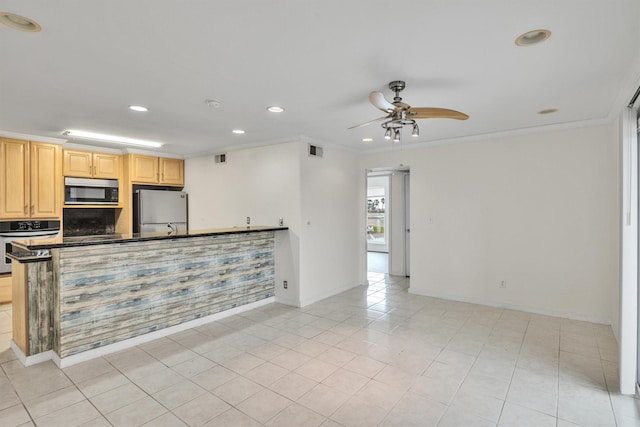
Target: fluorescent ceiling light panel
112, 138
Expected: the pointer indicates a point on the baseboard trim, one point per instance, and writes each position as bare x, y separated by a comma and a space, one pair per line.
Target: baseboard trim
518, 307
32, 360
291, 302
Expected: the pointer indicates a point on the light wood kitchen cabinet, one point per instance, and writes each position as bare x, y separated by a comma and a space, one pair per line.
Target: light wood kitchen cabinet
5, 289
144, 168
156, 170
14, 186
171, 171
31, 179
91, 165
45, 182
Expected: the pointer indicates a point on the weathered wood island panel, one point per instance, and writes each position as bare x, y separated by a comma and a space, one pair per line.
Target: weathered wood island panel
90, 295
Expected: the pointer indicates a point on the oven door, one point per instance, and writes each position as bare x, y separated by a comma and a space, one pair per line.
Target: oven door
7, 237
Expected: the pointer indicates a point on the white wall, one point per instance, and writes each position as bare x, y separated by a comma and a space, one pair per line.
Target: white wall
263, 183
538, 210
317, 197
331, 253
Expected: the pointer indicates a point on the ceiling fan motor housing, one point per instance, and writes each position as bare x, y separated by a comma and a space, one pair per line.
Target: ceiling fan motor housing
397, 85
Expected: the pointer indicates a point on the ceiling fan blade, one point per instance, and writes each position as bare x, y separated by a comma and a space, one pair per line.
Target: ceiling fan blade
369, 122
381, 103
435, 113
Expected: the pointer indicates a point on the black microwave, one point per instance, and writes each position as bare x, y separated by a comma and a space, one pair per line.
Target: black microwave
90, 191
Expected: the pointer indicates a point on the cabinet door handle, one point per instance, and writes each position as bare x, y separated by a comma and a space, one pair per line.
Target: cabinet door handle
25, 209
32, 209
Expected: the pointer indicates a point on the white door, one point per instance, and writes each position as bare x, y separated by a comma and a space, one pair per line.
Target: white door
407, 227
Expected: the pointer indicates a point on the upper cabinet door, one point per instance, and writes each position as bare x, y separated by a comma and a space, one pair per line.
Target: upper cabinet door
46, 185
78, 163
144, 169
14, 179
86, 164
106, 165
172, 171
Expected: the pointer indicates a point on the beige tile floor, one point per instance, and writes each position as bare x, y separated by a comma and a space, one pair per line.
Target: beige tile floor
372, 356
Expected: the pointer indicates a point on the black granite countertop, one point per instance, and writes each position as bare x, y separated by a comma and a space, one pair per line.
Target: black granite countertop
31, 256
68, 242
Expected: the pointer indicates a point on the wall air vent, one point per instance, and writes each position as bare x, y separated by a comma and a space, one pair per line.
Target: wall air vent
315, 151
221, 158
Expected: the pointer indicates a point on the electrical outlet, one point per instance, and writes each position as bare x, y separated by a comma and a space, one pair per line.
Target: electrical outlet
285, 284
248, 220
503, 284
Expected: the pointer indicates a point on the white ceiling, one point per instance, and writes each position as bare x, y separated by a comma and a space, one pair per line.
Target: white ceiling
318, 59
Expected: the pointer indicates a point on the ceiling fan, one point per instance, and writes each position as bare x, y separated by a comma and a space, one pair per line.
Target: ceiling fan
400, 114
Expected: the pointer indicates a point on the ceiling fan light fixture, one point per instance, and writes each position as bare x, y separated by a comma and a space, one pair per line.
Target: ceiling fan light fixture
400, 114
533, 37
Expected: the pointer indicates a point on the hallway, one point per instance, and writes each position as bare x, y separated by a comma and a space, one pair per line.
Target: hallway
378, 262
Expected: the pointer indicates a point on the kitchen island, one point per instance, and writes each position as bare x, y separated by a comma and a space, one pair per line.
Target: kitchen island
79, 297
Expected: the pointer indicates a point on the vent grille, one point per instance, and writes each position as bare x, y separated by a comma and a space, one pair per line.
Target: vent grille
221, 158
315, 151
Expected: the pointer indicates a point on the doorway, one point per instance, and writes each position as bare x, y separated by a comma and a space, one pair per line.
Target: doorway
377, 214
388, 221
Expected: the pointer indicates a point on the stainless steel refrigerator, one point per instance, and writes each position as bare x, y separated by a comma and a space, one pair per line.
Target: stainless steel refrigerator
159, 211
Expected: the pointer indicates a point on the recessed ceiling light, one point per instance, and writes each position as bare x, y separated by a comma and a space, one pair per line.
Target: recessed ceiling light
138, 108
112, 138
275, 109
532, 37
18, 22
367, 139
548, 111
212, 103
238, 131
